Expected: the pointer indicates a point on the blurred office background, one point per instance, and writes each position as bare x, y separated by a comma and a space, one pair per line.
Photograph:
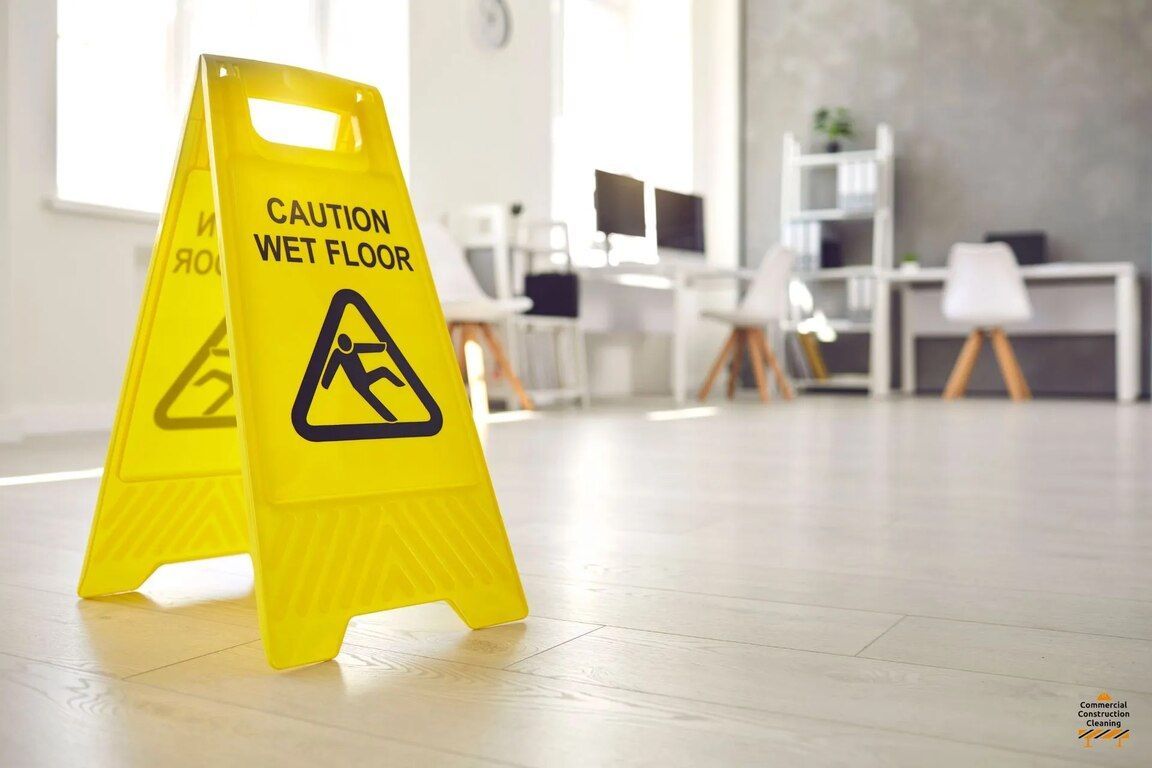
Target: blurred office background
1020, 116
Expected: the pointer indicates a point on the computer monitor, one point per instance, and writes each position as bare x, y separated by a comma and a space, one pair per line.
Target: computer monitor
1030, 247
619, 204
679, 221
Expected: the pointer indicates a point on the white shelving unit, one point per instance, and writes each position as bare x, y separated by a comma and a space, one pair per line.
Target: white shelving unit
802, 228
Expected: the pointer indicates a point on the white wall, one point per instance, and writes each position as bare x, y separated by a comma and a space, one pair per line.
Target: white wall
716, 100
481, 132
716, 26
70, 299
481, 118
716, 40
8, 430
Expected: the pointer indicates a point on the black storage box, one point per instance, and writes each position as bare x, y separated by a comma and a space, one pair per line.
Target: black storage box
555, 294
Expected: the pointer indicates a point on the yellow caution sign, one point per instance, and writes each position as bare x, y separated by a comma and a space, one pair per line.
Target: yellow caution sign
292, 391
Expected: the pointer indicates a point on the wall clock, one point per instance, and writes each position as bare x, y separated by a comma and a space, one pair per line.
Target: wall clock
491, 23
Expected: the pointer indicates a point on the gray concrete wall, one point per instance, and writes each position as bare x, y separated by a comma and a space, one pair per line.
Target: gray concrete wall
1008, 114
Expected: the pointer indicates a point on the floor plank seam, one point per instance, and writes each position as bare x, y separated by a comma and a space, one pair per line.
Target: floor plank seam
873, 640
368, 649
1034, 628
545, 650
63, 665
848, 575
707, 594
191, 658
156, 609
708, 638
850, 608
1074, 683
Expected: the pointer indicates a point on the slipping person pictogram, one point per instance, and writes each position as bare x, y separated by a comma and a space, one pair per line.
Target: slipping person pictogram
347, 356
217, 375
335, 351
184, 405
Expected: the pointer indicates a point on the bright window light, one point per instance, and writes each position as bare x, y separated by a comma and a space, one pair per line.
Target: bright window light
293, 124
682, 413
626, 107
800, 296
51, 477
116, 121
125, 69
477, 384
819, 325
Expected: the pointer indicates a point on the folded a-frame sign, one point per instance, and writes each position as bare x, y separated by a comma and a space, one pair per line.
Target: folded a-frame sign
292, 391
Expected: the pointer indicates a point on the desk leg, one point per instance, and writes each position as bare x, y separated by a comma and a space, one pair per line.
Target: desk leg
880, 354
678, 374
1127, 339
907, 343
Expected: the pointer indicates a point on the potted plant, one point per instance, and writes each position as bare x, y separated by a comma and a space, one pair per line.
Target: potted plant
836, 124
910, 262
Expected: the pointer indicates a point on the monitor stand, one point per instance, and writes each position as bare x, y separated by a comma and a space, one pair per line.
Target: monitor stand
606, 246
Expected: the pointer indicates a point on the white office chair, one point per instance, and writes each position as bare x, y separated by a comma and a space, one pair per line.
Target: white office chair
469, 311
765, 303
984, 289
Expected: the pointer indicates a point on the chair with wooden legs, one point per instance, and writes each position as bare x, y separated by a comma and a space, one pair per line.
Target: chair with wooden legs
765, 304
984, 289
464, 331
470, 313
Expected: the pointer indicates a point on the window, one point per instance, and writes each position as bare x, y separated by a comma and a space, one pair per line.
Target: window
125, 70
626, 107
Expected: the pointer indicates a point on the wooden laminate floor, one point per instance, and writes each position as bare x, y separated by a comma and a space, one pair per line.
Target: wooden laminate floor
833, 581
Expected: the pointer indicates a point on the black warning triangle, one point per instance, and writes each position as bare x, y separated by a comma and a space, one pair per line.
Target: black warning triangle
201, 372
331, 354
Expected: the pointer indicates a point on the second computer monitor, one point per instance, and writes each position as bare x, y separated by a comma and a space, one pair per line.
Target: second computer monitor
619, 204
679, 221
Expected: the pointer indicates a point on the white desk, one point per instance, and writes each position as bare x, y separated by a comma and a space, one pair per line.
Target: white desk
675, 314
1107, 303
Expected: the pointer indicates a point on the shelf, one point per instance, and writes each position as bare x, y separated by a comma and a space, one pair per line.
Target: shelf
836, 273
840, 381
833, 214
836, 158
538, 251
806, 221
838, 324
